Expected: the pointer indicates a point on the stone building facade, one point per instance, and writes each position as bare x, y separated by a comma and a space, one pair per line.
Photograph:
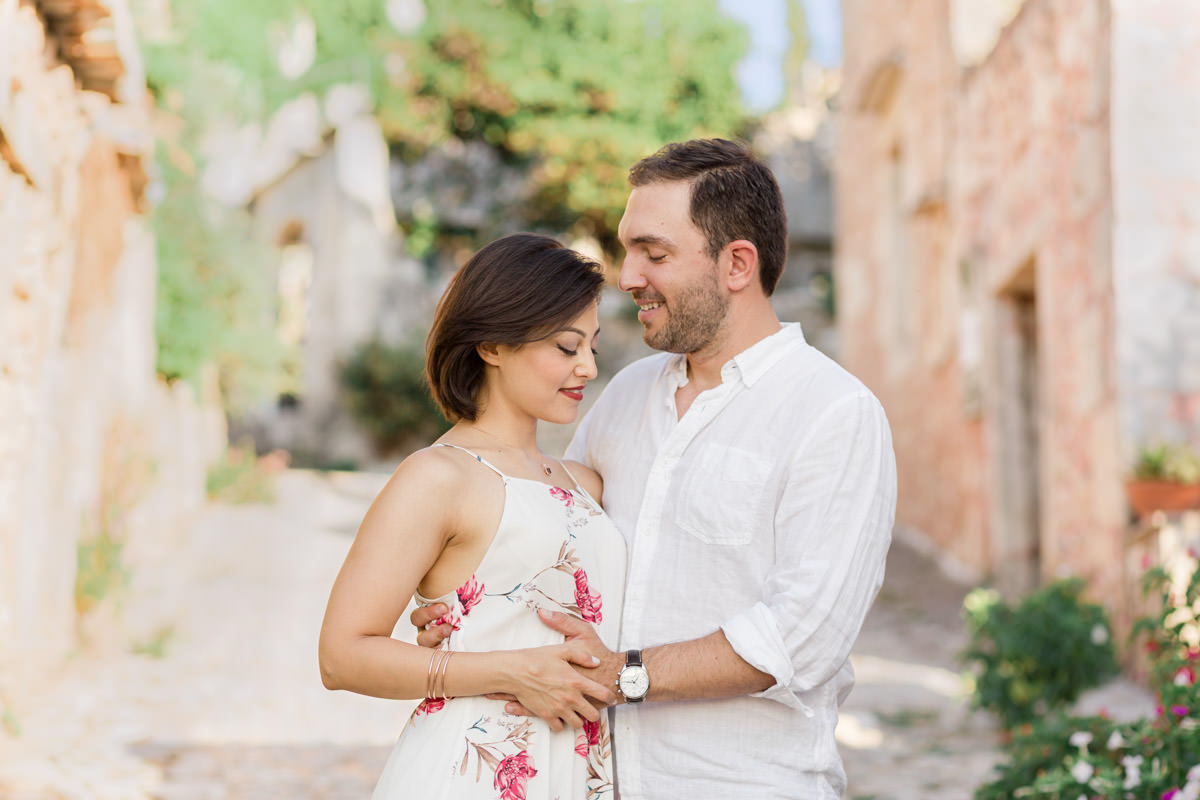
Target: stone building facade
315, 181
97, 456
1018, 269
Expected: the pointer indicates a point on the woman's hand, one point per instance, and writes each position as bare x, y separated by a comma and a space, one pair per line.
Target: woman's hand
544, 681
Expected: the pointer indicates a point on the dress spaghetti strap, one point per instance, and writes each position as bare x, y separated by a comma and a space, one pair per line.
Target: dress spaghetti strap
478, 458
574, 480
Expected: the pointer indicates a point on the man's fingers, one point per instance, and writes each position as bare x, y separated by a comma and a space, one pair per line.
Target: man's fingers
434, 636
427, 614
564, 623
582, 658
518, 710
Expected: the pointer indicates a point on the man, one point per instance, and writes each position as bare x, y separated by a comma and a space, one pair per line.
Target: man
754, 481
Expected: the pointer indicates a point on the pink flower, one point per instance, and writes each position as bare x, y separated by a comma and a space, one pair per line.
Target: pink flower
563, 496
512, 774
589, 602
1186, 676
429, 706
469, 595
449, 618
1179, 711
588, 738
1169, 793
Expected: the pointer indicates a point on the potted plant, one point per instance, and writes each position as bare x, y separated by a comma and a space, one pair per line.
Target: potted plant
1165, 478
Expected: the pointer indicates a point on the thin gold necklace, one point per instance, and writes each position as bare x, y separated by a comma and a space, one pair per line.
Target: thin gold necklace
545, 467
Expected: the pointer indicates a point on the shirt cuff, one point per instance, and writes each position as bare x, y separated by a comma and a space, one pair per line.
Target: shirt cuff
755, 637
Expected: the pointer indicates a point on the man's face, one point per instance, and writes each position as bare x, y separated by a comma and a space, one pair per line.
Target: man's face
668, 271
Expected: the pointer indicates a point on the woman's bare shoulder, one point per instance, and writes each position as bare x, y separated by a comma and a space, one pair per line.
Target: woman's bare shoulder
588, 478
430, 472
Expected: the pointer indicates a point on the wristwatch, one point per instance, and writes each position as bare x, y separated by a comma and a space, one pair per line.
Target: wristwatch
633, 682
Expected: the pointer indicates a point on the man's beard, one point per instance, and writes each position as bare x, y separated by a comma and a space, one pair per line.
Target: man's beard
694, 319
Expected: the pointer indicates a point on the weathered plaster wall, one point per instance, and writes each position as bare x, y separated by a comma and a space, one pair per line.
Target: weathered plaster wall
1156, 218
897, 272
974, 279
90, 441
1035, 196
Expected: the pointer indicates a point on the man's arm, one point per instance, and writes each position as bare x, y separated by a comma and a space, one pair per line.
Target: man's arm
699, 669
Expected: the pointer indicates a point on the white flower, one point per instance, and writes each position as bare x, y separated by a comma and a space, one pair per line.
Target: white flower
1080, 739
1133, 771
1082, 771
1099, 634
1194, 774
1115, 741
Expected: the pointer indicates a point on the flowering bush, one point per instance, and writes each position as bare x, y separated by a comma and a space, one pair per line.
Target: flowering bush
1157, 758
1037, 656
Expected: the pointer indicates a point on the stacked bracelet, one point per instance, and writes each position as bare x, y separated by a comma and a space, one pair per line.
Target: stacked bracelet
435, 682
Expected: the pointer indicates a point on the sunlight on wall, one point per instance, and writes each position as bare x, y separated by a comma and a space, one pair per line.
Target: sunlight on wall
975, 26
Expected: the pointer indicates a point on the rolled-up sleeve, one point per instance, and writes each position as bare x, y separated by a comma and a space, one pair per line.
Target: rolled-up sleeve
832, 526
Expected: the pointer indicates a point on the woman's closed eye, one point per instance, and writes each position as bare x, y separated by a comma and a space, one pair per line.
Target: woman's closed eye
568, 351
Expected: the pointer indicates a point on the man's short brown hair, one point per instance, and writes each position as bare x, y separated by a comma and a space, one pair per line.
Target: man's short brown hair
734, 196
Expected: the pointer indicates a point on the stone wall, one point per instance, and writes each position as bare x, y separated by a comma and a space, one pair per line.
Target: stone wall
1156, 219
92, 445
975, 280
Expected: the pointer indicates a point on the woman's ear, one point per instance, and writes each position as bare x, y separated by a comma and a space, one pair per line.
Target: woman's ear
489, 352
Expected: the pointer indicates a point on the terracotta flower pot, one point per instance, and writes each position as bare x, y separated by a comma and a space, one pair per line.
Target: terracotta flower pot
1146, 497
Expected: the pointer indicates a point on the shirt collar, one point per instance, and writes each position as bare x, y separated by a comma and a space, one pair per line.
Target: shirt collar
747, 366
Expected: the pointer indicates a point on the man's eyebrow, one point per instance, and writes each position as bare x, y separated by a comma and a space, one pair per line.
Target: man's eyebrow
650, 238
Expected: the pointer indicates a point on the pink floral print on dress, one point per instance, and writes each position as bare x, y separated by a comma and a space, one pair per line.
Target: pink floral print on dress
512, 776
429, 706
589, 602
588, 738
469, 595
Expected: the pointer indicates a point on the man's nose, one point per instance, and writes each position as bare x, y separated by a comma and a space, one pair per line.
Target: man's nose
630, 278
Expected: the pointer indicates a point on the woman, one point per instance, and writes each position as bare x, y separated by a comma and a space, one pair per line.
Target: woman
484, 522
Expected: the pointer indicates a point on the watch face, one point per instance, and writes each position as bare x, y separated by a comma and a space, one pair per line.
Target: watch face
635, 682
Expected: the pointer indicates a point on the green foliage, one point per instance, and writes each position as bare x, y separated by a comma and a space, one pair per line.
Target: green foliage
577, 89
213, 306
1063, 758
100, 570
386, 393
158, 643
240, 477
1038, 655
8, 720
1177, 463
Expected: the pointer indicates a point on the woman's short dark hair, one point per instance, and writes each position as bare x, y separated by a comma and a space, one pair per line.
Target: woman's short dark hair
515, 290
734, 196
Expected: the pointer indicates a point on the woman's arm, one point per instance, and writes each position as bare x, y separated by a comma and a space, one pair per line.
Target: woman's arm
401, 537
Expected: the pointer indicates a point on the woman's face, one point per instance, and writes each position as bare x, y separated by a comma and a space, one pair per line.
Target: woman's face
546, 378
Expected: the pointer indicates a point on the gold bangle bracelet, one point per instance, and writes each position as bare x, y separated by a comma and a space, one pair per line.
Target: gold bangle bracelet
435, 661
441, 683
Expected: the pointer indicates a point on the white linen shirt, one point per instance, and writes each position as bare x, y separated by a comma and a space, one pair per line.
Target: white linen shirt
766, 511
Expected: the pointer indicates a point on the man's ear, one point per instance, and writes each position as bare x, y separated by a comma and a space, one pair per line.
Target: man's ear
743, 264
489, 352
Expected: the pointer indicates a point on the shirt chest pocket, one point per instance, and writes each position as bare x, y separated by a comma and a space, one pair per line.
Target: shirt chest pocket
721, 499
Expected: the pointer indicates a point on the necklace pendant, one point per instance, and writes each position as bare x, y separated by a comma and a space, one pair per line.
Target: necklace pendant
546, 469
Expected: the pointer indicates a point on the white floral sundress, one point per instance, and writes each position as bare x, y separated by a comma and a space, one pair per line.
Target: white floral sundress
556, 549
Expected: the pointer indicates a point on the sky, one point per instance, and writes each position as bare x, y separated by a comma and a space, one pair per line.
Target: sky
760, 74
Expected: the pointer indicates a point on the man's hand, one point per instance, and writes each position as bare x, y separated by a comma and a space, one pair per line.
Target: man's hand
577, 632
425, 615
